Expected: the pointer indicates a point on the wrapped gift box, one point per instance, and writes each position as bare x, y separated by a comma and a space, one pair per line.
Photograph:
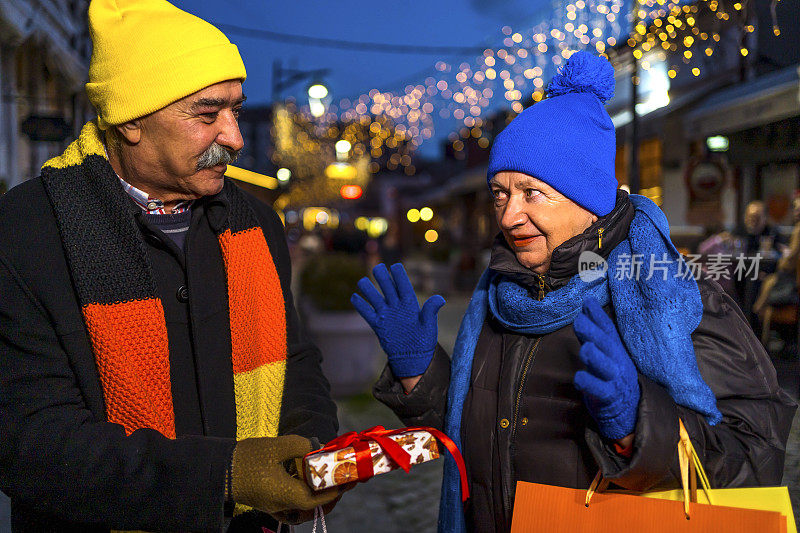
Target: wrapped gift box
329, 467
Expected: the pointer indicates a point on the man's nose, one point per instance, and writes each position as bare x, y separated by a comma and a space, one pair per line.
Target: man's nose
229, 135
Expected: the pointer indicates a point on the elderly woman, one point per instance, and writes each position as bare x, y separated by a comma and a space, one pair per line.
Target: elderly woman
559, 371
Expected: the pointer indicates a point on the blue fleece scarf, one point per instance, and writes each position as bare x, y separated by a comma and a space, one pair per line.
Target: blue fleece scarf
656, 308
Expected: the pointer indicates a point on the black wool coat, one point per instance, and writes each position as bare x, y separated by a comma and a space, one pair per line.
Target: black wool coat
63, 465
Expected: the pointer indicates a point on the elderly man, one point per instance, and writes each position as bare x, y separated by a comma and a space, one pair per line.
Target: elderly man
544, 386
152, 371
759, 236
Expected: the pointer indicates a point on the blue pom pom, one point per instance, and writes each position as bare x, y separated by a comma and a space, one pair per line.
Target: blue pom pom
584, 73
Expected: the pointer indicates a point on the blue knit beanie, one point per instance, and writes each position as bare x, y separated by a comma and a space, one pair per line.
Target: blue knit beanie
567, 140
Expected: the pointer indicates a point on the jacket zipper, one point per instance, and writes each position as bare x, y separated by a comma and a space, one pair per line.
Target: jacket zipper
541, 287
600, 237
525, 367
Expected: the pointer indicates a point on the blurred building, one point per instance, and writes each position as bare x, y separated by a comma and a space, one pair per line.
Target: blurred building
713, 134
44, 56
753, 131
720, 131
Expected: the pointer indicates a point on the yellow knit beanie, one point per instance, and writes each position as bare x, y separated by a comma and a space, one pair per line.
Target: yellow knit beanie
148, 54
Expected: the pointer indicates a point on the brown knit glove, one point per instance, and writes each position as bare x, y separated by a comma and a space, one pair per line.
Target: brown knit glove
259, 478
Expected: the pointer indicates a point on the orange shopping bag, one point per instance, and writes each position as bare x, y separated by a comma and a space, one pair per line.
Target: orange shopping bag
545, 508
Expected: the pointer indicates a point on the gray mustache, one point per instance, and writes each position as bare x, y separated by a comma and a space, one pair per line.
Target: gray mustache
216, 155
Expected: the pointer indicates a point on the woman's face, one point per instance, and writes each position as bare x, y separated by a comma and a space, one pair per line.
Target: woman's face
535, 218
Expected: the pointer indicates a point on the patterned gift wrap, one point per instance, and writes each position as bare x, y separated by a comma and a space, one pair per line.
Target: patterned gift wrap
326, 469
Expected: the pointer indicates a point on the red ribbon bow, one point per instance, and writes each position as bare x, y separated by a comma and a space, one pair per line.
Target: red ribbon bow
360, 443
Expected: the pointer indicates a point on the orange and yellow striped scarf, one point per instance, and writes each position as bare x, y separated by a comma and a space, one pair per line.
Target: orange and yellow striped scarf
124, 316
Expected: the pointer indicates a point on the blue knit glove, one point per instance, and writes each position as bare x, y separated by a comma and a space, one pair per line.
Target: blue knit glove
610, 383
407, 335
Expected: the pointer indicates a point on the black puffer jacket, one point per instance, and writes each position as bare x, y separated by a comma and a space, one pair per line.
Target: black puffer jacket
523, 420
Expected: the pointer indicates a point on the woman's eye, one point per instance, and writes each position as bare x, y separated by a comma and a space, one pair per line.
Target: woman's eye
532, 193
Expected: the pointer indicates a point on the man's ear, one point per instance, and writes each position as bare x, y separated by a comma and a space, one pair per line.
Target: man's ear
130, 131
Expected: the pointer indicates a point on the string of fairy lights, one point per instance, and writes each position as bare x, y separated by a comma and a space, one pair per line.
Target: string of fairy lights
692, 29
387, 126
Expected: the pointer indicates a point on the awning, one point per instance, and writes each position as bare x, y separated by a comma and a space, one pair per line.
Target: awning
767, 99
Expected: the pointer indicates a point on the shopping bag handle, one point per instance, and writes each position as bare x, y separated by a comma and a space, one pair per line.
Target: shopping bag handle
691, 470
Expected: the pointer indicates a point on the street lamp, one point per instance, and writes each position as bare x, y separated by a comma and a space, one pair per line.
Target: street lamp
317, 93
316, 107
283, 175
341, 169
342, 149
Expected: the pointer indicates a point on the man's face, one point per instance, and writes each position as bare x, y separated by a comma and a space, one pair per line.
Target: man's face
755, 219
176, 157
796, 209
535, 218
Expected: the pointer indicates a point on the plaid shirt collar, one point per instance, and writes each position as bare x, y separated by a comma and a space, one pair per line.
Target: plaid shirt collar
151, 206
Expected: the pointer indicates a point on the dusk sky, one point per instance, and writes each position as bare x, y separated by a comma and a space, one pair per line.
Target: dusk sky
353, 72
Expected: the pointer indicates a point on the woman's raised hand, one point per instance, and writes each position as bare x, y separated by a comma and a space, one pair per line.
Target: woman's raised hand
407, 333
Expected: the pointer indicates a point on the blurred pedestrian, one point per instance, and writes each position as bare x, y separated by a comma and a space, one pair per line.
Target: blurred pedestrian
152, 370
791, 255
559, 370
760, 236
780, 289
762, 246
